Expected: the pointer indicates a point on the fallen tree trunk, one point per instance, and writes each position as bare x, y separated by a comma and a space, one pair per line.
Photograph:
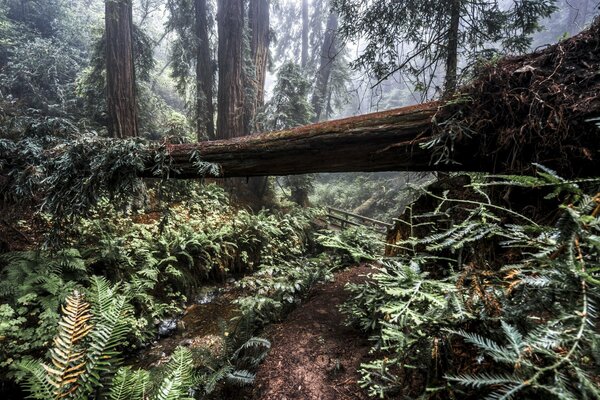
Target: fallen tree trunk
521, 110
384, 141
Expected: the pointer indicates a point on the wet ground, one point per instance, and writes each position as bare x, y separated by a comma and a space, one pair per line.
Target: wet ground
203, 325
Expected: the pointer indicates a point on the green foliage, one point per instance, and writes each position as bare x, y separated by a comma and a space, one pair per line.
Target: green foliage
82, 170
155, 263
352, 245
382, 196
273, 289
289, 105
486, 28
32, 286
41, 73
529, 310
86, 351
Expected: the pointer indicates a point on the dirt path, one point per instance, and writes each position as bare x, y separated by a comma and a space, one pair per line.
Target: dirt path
313, 355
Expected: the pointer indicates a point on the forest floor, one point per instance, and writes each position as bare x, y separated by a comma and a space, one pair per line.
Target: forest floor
314, 356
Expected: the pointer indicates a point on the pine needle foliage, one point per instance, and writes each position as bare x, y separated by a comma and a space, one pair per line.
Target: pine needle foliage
520, 297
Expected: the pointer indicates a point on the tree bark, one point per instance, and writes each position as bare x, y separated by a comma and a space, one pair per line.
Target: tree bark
451, 79
328, 54
259, 43
256, 191
304, 57
204, 76
120, 72
383, 141
230, 102
258, 22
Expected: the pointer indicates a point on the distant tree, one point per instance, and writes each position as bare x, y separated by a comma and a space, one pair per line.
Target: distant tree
204, 73
192, 62
304, 35
305, 29
329, 52
420, 37
120, 71
289, 107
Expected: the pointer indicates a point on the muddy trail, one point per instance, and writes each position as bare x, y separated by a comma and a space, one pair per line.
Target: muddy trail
314, 356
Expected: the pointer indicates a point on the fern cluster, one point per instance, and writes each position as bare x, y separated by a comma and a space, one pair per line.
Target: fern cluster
69, 172
161, 262
352, 245
274, 289
85, 356
480, 287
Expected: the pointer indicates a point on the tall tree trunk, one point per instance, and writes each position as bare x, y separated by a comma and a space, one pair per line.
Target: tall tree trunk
230, 101
258, 189
258, 22
452, 49
304, 59
120, 72
328, 54
204, 75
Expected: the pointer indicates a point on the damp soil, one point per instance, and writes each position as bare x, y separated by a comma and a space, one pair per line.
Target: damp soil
314, 356
203, 326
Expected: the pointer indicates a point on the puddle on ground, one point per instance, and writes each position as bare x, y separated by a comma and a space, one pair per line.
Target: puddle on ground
203, 326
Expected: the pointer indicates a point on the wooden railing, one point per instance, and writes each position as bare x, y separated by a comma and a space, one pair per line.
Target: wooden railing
343, 219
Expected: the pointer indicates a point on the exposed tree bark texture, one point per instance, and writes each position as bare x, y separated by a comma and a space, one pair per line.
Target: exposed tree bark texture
374, 142
204, 75
230, 102
258, 20
452, 48
328, 54
304, 57
120, 72
257, 190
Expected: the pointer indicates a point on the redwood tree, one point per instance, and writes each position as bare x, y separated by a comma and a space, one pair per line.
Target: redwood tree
204, 74
258, 24
230, 99
328, 55
120, 72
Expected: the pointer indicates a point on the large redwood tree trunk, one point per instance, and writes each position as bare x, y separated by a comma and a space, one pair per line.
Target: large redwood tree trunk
382, 141
328, 55
230, 102
204, 75
258, 21
120, 72
258, 188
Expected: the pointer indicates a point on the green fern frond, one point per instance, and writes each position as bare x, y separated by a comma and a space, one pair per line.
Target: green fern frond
484, 379
111, 325
241, 377
129, 385
37, 383
179, 376
498, 353
62, 377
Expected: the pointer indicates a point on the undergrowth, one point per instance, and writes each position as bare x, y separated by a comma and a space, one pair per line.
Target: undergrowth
159, 261
483, 301
121, 272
